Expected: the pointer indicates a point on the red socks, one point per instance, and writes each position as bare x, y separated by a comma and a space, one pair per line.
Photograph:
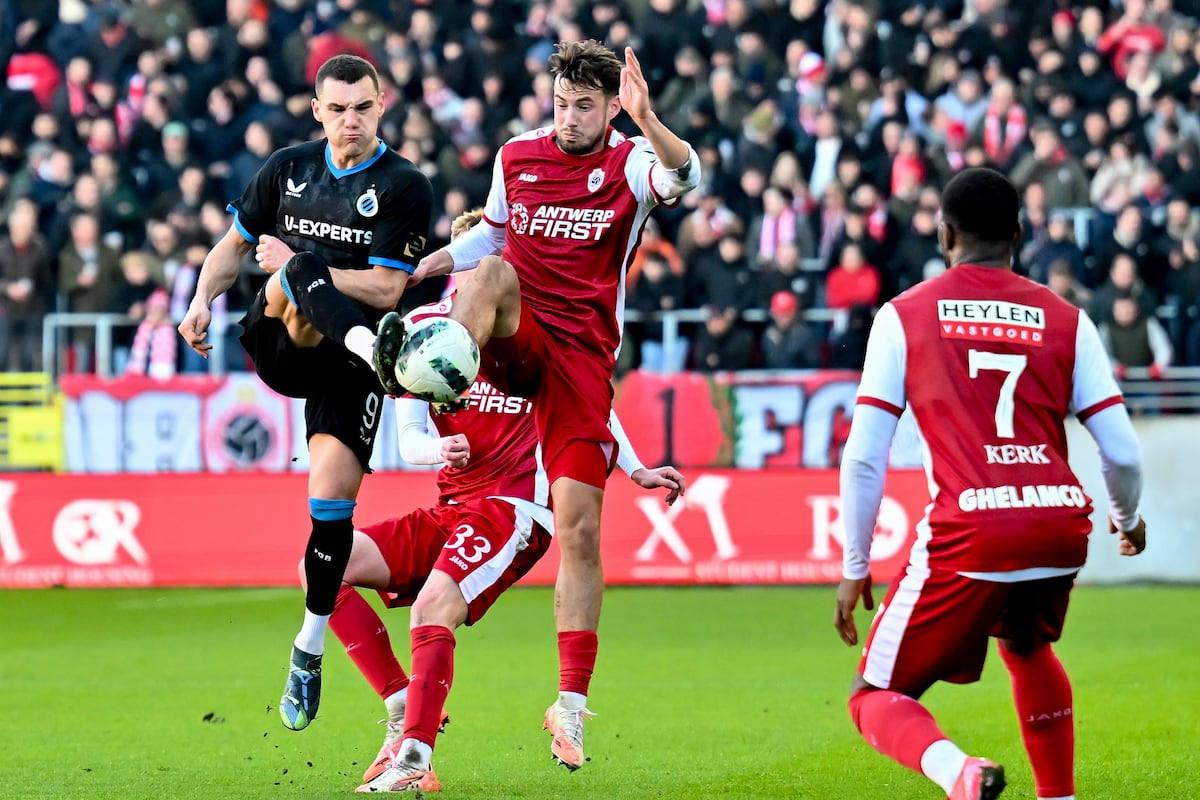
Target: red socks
576, 660
432, 676
359, 628
1042, 696
895, 725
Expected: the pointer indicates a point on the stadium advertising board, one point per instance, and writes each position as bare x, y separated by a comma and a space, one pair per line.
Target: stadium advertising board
733, 527
201, 424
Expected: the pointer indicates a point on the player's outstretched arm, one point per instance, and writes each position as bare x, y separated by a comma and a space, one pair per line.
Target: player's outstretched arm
218, 273
672, 151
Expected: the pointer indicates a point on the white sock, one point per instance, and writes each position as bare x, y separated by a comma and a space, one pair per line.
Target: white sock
311, 638
941, 762
415, 753
396, 702
361, 341
572, 700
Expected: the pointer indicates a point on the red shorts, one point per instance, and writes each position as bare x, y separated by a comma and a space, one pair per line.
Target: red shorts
572, 396
484, 545
934, 626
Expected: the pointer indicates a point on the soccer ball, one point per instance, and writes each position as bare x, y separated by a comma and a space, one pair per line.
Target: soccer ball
439, 360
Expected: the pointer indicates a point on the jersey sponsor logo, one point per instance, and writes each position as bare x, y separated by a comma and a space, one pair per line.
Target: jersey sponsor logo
490, 400
992, 321
519, 215
294, 189
415, 248
367, 203
595, 179
528, 177
562, 222
325, 230
1016, 454
1029, 496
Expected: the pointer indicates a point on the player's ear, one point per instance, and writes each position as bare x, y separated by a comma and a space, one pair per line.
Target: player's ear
316, 108
1016, 242
614, 107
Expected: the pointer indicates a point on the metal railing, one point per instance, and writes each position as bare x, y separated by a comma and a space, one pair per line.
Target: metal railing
55, 345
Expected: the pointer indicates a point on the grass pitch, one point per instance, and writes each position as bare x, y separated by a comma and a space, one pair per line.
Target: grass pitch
736, 693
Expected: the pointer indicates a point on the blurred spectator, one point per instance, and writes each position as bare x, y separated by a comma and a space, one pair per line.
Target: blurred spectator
25, 280
1062, 281
259, 145
848, 347
721, 275
653, 243
88, 272
1129, 35
658, 289
155, 342
786, 274
722, 343
1129, 237
711, 220
965, 102
1119, 179
1004, 124
1059, 245
787, 341
1051, 164
1134, 338
853, 281
918, 248
138, 282
1123, 281
778, 224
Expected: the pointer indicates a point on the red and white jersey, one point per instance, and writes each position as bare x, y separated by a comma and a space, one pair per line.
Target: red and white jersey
505, 457
991, 364
573, 223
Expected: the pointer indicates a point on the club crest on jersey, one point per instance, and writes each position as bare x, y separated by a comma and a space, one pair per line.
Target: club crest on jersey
595, 179
519, 215
367, 203
294, 189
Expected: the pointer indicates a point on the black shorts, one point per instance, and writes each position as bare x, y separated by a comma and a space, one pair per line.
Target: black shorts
343, 397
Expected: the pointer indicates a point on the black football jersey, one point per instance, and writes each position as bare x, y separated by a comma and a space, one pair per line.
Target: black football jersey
374, 214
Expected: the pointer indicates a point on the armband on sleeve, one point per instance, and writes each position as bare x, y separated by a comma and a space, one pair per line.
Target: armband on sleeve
671, 183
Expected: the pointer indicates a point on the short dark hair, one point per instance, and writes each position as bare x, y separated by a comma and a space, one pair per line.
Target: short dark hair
587, 65
983, 203
347, 69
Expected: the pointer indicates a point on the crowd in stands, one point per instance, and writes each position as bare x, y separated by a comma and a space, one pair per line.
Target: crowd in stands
825, 128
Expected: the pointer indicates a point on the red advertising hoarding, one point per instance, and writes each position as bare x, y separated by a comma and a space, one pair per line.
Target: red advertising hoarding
248, 529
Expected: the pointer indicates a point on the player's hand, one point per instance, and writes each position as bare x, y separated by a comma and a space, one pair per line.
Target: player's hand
849, 590
436, 263
194, 328
1131, 542
271, 254
634, 94
456, 450
667, 478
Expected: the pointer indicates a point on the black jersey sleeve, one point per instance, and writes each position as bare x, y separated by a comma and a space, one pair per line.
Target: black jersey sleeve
399, 240
255, 212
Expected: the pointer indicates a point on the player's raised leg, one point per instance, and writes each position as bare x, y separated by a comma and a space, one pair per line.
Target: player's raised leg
578, 594
438, 610
335, 474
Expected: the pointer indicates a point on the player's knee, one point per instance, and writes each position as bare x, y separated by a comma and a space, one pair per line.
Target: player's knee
440, 602
498, 279
579, 538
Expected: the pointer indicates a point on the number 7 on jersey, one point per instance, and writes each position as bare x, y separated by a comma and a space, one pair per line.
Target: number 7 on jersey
1009, 363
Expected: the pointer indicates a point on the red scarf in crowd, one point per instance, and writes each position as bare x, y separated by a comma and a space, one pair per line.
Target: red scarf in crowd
1000, 141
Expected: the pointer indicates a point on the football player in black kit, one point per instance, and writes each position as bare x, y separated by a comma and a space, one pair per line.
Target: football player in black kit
339, 224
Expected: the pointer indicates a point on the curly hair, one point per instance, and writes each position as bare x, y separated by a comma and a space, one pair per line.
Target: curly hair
587, 65
465, 221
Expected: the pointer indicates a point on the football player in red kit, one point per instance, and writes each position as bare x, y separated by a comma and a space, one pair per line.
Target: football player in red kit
990, 364
451, 562
565, 211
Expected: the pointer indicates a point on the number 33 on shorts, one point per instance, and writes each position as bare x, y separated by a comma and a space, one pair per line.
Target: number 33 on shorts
469, 546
